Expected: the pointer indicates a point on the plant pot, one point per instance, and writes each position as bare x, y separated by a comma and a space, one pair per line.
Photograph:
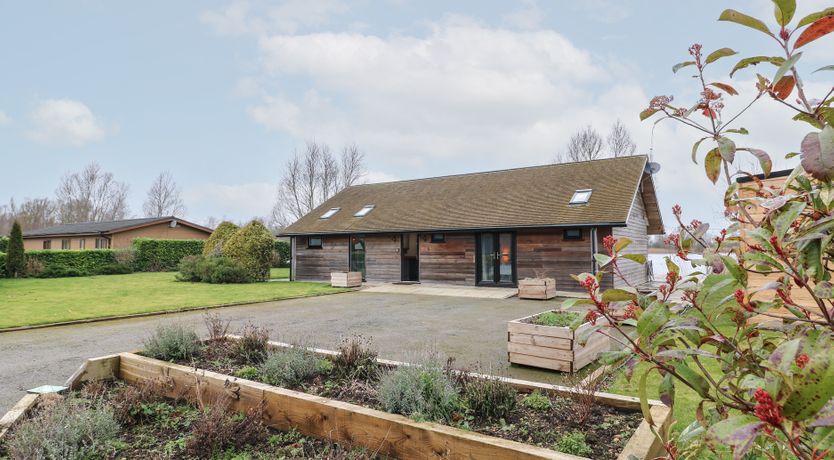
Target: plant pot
537, 288
553, 347
345, 279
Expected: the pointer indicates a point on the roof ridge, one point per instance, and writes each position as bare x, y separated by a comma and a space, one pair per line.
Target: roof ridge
496, 171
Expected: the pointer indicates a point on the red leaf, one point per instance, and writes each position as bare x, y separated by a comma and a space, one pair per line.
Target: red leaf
816, 30
712, 165
729, 89
784, 87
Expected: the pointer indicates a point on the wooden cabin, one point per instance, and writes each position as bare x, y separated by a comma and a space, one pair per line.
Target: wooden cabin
486, 229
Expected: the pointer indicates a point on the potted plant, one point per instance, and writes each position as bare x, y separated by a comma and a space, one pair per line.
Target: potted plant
555, 339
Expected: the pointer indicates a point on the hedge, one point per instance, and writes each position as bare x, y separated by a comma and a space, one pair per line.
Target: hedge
282, 253
85, 262
2, 264
163, 255
4, 243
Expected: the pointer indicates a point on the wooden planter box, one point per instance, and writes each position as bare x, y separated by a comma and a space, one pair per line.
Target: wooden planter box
537, 288
388, 434
345, 279
553, 347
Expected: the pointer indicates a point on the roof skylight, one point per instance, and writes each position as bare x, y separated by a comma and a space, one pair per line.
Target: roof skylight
365, 210
330, 212
581, 196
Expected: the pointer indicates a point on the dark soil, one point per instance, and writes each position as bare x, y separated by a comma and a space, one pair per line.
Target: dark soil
606, 429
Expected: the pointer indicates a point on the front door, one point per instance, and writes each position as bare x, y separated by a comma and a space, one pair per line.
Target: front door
496, 259
357, 254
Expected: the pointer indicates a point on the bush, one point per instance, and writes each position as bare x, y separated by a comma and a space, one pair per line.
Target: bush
214, 243
172, 342
251, 246
215, 270
536, 401
15, 259
573, 443
253, 344
248, 372
67, 429
421, 392
356, 359
290, 367
163, 255
490, 397
85, 262
2, 265
281, 254
220, 430
4, 243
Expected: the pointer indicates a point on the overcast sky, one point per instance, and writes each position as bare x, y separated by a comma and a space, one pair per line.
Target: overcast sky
221, 93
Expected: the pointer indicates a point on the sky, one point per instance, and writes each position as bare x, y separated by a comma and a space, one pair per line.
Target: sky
222, 93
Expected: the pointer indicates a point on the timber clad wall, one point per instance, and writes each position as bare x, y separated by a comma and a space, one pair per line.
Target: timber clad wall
382, 257
546, 253
636, 230
452, 262
316, 264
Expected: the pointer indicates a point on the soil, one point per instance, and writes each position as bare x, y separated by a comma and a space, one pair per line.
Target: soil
162, 429
606, 429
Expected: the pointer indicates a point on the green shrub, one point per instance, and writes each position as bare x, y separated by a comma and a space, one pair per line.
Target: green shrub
15, 258
2, 264
84, 262
421, 392
281, 254
560, 318
70, 428
248, 372
215, 270
163, 255
490, 397
536, 401
172, 342
4, 243
251, 246
573, 443
290, 367
214, 243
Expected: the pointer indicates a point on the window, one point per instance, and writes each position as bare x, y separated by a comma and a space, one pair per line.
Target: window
365, 210
314, 242
581, 196
82, 243
573, 233
438, 237
65, 244
330, 212
102, 243
47, 244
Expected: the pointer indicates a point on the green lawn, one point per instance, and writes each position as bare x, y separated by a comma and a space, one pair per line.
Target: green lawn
279, 273
33, 301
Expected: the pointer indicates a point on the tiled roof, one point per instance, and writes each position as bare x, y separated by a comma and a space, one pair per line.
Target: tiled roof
90, 228
536, 196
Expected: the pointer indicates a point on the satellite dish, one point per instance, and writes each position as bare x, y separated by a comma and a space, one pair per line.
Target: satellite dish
652, 167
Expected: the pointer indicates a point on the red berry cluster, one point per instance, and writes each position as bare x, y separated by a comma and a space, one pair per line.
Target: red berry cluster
608, 243
591, 317
802, 360
742, 301
766, 409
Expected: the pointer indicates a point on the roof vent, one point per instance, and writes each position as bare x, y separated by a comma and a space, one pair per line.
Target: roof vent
330, 212
365, 210
581, 196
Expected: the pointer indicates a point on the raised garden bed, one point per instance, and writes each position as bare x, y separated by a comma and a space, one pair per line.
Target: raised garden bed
550, 340
619, 429
537, 288
345, 279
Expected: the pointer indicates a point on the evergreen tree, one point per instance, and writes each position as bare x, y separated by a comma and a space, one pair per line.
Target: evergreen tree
14, 258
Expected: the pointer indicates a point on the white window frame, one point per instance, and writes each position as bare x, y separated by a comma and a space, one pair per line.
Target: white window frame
582, 196
365, 210
330, 213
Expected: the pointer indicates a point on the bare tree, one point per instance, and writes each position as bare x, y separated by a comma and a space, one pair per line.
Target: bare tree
164, 197
619, 141
32, 214
584, 145
91, 195
311, 177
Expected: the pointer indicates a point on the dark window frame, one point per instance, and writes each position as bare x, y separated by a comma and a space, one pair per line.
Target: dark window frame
47, 244
310, 244
68, 244
438, 238
567, 237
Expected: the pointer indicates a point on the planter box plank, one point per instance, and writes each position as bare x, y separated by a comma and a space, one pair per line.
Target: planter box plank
346, 279
19, 410
541, 352
535, 329
583, 356
103, 368
316, 416
527, 360
537, 288
541, 341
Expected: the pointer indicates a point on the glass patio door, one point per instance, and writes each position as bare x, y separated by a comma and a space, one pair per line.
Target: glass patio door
496, 258
357, 254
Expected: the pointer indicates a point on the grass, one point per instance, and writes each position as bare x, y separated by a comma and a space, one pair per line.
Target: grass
32, 301
279, 273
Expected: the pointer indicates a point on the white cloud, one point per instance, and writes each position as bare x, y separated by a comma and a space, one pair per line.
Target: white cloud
528, 17
243, 17
65, 122
4, 119
239, 201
